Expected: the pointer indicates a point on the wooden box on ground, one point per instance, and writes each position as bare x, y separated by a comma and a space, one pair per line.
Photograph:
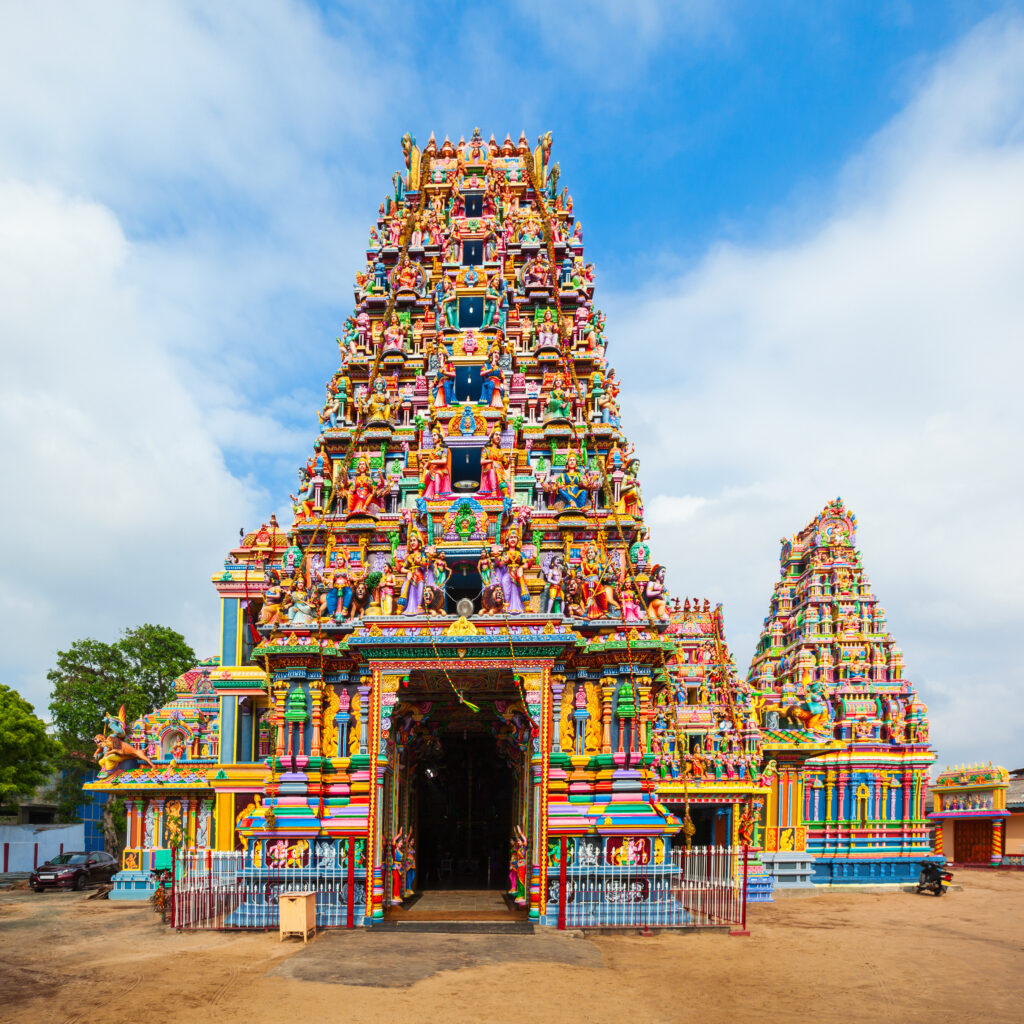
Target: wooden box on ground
298, 914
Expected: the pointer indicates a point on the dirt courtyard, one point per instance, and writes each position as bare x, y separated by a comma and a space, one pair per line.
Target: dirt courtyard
834, 956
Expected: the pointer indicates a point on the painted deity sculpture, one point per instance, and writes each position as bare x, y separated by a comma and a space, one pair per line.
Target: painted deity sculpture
572, 485
443, 388
414, 566
437, 470
554, 595
301, 610
515, 562
494, 301
547, 332
386, 590
494, 461
655, 594
378, 405
492, 382
363, 490
559, 406
113, 748
397, 872
449, 304
274, 607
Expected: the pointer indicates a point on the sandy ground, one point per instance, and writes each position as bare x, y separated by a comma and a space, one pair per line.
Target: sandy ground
838, 956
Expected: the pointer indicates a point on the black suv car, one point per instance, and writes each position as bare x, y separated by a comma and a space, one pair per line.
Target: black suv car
73, 871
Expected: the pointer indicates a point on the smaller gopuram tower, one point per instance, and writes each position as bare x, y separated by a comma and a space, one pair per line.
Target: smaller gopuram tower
848, 734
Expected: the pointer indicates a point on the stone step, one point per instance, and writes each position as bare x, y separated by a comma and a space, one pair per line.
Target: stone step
456, 927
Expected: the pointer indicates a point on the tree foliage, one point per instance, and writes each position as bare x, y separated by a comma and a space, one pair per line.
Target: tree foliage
27, 754
92, 679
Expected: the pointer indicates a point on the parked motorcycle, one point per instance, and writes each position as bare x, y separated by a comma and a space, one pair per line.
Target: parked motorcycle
933, 878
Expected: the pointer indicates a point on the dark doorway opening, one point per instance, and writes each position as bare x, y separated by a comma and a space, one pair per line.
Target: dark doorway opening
471, 311
703, 819
465, 815
464, 584
474, 204
467, 383
466, 469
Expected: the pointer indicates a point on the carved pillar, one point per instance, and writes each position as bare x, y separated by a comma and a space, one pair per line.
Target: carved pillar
607, 694
538, 899
997, 841
643, 712
316, 697
557, 687
370, 715
364, 712
138, 823
204, 832
280, 691
841, 810
158, 821
188, 835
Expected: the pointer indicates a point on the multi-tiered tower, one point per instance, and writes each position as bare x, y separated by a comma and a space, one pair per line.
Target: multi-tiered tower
468, 557
849, 735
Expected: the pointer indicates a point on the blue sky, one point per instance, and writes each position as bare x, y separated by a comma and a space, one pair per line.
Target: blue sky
806, 219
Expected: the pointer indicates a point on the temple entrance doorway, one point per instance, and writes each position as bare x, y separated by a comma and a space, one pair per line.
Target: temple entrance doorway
458, 803
972, 842
464, 801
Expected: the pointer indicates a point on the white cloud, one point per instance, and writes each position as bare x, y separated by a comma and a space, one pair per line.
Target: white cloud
169, 220
115, 487
878, 356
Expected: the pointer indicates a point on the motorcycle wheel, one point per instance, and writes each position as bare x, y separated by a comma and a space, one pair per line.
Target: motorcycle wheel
939, 890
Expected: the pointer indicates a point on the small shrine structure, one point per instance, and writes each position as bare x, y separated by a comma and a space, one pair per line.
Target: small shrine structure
970, 813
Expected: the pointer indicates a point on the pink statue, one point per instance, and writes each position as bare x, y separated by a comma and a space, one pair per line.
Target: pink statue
397, 848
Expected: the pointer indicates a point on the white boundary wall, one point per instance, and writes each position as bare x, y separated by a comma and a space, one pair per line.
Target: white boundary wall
24, 847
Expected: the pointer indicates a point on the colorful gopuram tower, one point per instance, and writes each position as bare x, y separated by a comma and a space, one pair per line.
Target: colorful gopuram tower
459, 653
846, 730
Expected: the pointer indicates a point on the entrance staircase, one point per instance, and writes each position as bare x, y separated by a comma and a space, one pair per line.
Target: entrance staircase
481, 911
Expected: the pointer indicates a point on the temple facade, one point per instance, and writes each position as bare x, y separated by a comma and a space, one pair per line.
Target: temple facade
459, 663
845, 728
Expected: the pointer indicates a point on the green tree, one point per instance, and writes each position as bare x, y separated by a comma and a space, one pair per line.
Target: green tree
93, 679
27, 754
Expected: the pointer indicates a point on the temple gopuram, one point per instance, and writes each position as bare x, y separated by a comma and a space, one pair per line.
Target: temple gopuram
458, 666
846, 730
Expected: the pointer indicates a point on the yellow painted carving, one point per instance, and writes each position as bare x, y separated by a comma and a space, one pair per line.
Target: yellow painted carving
353, 725
462, 627
330, 727
592, 738
566, 730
